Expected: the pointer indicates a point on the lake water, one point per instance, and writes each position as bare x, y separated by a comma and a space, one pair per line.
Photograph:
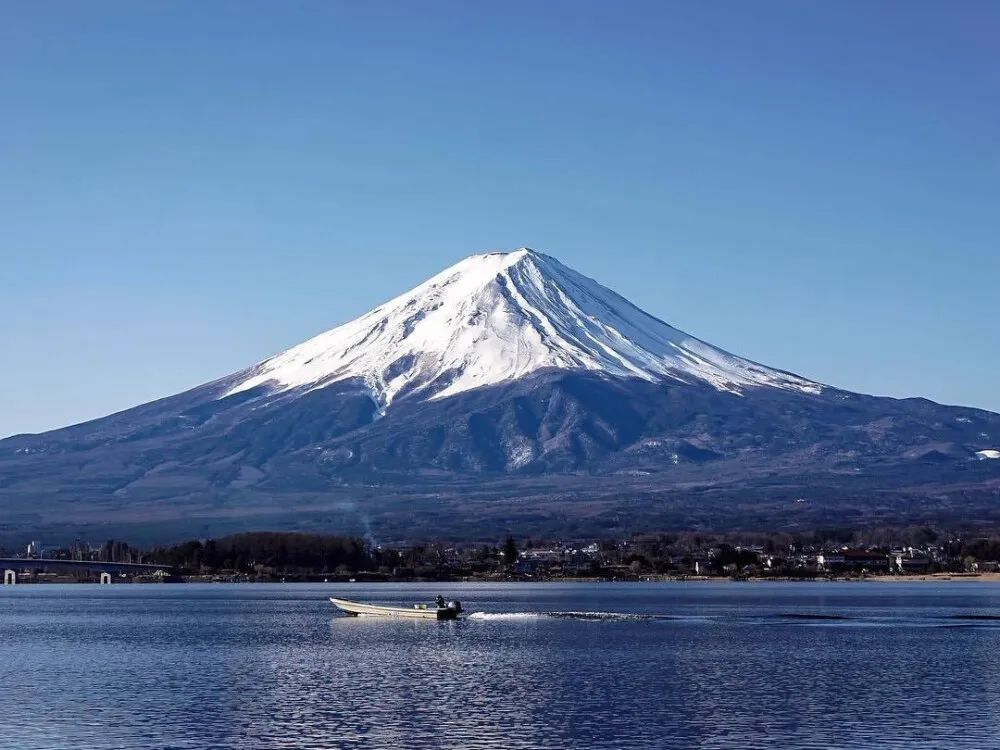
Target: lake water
689, 665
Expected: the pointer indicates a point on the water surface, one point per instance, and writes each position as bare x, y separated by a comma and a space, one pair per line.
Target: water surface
715, 665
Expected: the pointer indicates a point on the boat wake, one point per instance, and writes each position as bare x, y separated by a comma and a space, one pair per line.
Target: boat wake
593, 616
973, 620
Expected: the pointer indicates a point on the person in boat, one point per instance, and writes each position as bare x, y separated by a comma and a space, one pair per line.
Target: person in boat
439, 602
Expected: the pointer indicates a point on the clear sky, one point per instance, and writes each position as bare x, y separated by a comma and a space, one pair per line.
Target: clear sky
188, 187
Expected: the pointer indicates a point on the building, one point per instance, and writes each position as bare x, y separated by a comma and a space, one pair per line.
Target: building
909, 560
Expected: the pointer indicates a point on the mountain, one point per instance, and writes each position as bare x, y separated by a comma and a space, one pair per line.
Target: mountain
506, 393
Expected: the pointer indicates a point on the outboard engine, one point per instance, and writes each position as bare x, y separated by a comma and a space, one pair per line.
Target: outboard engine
455, 605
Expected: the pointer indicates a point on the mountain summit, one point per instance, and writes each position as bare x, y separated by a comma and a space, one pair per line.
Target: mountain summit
507, 394
497, 317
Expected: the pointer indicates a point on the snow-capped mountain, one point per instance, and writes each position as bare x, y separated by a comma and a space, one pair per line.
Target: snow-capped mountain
506, 393
498, 317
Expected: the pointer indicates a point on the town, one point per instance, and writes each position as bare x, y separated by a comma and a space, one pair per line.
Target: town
289, 557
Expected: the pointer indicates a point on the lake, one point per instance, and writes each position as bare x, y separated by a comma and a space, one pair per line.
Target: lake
612, 665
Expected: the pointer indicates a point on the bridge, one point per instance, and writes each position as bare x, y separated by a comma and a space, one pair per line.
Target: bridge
12, 565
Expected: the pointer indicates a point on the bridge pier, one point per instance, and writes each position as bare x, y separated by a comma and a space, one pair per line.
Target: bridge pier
105, 578
9, 578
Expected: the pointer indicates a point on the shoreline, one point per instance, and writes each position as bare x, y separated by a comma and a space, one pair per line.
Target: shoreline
988, 577
938, 577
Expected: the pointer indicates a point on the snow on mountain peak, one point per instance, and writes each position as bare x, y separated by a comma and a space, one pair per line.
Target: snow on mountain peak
496, 317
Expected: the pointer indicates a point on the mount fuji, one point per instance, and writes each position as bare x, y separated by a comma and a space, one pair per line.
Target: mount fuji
506, 393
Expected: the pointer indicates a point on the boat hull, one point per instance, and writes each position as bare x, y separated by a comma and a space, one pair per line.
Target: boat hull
417, 613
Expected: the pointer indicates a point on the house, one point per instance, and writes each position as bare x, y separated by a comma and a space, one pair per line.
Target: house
830, 561
869, 561
909, 560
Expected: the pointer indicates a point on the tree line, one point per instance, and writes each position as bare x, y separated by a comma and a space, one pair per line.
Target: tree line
273, 550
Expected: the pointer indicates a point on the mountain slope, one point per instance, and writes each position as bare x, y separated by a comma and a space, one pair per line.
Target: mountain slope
498, 317
506, 393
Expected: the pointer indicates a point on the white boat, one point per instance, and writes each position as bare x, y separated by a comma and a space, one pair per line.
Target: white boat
419, 611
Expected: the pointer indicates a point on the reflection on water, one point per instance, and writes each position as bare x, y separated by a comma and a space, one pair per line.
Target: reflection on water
533, 666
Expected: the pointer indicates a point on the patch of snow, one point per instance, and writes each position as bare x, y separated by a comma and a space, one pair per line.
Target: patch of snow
520, 455
498, 317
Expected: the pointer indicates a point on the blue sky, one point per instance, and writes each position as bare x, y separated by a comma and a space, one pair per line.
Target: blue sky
187, 187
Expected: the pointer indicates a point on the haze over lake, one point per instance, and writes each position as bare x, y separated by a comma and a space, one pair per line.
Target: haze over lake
719, 665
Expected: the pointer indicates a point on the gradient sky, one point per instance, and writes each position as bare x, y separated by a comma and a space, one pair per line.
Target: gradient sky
188, 187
